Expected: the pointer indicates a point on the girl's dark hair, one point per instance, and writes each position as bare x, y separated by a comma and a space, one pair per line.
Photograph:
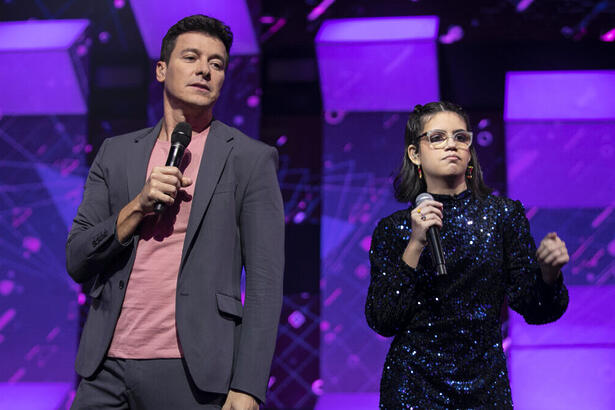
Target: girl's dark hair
199, 23
407, 184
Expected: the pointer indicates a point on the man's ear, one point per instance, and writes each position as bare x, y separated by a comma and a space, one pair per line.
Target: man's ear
413, 154
161, 71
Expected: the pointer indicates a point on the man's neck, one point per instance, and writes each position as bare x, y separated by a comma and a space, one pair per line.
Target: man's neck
198, 120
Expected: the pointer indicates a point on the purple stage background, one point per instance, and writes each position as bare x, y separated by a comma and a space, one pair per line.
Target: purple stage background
544, 137
42, 171
560, 149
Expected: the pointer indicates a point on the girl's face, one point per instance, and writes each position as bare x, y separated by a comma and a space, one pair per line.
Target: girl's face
446, 157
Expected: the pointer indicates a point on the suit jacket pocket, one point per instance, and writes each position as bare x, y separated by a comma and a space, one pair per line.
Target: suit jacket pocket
229, 305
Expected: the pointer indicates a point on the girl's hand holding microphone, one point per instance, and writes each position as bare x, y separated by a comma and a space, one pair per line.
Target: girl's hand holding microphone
425, 215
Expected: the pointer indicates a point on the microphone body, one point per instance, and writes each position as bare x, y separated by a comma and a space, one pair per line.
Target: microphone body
433, 239
182, 134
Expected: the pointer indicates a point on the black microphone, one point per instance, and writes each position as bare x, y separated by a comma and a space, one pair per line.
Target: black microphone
182, 134
433, 238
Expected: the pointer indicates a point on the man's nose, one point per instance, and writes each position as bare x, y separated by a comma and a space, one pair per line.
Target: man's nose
204, 69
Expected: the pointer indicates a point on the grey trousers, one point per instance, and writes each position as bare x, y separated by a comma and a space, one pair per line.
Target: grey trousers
154, 384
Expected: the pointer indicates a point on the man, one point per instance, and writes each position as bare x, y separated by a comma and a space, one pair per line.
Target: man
166, 328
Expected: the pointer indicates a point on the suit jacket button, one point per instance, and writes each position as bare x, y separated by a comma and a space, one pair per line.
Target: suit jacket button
121, 285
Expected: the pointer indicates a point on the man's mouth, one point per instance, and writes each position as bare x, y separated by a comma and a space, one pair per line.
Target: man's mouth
200, 86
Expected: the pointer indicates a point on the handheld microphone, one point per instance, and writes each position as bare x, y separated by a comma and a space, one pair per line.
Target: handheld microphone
180, 138
433, 239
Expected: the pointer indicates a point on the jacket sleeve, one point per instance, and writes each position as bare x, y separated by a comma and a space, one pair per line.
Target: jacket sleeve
261, 226
92, 241
527, 293
391, 297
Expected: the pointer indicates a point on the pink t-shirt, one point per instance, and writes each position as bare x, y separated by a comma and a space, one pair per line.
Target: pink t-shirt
146, 327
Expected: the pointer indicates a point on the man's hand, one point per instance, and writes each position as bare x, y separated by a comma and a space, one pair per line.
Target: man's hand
162, 185
239, 401
552, 255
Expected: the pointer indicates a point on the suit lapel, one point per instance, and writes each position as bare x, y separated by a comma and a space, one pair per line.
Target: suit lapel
139, 153
217, 149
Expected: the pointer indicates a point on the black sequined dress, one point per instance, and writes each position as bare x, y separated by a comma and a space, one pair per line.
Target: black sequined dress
447, 351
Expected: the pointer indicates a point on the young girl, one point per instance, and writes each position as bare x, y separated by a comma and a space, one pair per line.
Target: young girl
447, 350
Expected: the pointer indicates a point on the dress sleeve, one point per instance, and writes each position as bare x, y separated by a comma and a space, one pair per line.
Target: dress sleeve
527, 293
391, 295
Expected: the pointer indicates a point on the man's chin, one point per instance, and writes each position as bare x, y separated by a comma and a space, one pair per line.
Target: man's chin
193, 105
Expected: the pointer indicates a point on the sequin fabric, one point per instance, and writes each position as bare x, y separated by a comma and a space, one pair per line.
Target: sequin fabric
447, 347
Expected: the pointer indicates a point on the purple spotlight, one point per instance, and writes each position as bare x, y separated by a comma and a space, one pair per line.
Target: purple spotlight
296, 319
238, 120
253, 101
267, 19
454, 34
82, 50
281, 141
317, 387
104, 37
609, 36
318, 10
32, 244
484, 123
6, 287
484, 138
523, 5
299, 217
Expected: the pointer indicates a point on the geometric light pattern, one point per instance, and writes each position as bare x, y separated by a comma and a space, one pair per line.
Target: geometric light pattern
378, 64
560, 95
156, 17
560, 150
29, 49
42, 172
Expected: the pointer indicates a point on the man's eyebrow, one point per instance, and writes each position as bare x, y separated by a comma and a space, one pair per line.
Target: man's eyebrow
198, 52
211, 57
191, 50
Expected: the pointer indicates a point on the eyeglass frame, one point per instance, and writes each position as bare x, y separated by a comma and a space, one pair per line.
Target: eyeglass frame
448, 136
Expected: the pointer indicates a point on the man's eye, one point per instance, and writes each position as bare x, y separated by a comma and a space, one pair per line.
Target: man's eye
217, 65
189, 58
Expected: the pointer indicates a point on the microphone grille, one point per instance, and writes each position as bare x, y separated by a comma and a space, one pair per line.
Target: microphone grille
182, 134
423, 197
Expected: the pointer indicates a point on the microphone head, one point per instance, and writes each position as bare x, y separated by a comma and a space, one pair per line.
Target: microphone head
182, 134
422, 197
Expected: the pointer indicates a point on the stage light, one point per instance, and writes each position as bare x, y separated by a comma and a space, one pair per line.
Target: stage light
154, 17
609, 36
377, 64
29, 49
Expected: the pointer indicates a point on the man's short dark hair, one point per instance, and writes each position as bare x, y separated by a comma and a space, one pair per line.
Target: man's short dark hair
201, 24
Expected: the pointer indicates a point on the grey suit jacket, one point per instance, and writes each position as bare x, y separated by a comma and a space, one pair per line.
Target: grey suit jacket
236, 221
